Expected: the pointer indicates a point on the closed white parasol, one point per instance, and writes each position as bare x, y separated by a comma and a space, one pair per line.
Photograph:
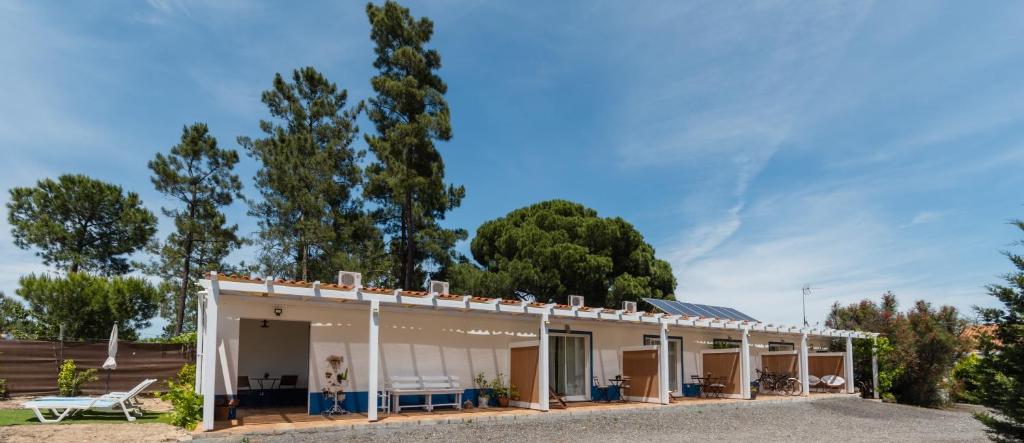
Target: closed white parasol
111, 363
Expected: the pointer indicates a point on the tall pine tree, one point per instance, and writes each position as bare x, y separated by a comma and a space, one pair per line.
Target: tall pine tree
407, 179
311, 223
198, 176
1002, 365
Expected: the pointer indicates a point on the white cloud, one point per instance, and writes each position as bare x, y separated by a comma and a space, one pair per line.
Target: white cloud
924, 217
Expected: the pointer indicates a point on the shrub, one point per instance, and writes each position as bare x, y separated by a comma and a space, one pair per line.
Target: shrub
965, 383
3, 388
188, 406
70, 379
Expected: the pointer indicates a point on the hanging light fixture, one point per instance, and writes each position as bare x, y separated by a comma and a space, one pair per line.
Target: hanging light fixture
265, 324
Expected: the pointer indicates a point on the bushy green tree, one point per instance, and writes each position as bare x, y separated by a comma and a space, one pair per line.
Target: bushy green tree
311, 223
556, 248
406, 180
14, 318
1002, 362
78, 223
88, 305
198, 177
965, 381
918, 352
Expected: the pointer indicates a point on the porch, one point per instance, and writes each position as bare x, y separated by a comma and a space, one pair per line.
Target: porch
271, 420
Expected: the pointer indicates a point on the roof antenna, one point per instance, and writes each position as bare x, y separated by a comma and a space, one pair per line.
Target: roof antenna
806, 291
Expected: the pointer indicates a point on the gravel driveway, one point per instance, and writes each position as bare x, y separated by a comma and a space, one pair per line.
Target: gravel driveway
836, 420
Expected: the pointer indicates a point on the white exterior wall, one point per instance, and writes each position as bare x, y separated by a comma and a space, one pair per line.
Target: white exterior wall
412, 342
416, 341
427, 343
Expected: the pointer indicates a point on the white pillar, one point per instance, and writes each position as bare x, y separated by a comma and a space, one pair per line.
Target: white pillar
663, 387
805, 379
200, 333
210, 340
874, 368
374, 347
745, 364
542, 361
849, 365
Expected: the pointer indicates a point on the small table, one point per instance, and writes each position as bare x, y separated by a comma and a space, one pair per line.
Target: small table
710, 387
264, 387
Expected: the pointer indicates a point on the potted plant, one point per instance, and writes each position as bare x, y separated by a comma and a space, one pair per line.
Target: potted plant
500, 390
483, 397
335, 387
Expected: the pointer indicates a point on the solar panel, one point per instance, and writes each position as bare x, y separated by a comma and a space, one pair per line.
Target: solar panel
668, 308
673, 307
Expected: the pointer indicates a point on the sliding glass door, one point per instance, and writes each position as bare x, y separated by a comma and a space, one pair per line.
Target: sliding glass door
675, 363
567, 365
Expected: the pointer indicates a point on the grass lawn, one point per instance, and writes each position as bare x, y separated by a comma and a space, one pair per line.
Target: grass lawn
9, 417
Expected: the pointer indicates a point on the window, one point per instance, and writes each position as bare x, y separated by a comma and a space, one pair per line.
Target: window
725, 343
780, 346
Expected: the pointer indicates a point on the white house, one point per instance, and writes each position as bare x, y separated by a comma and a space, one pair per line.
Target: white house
253, 327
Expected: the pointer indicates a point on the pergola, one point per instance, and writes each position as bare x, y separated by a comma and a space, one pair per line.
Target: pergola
208, 349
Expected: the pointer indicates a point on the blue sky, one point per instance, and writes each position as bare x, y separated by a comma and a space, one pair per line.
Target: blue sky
857, 146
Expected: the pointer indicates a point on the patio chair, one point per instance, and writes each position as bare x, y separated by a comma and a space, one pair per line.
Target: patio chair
716, 385
244, 389
286, 382
624, 388
63, 407
833, 382
813, 382
601, 392
556, 398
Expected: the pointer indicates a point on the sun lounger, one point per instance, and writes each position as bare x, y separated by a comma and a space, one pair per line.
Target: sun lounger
63, 407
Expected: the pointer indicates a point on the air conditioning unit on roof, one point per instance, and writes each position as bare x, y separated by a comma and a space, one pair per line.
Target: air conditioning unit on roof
576, 301
439, 287
353, 279
629, 306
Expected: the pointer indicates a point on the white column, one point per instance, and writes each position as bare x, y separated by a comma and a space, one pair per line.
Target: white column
805, 382
542, 361
200, 328
745, 364
849, 365
663, 387
874, 367
210, 340
374, 347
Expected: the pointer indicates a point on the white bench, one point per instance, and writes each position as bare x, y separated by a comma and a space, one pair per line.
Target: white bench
427, 386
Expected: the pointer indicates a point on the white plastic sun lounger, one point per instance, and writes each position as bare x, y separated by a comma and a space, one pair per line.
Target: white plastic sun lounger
63, 407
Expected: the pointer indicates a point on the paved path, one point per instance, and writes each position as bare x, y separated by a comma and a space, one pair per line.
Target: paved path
834, 419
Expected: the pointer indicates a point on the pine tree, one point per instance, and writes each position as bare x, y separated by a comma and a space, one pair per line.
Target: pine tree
1002, 363
198, 176
409, 112
80, 224
310, 220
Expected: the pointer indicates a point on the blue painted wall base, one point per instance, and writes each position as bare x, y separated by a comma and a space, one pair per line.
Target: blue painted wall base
358, 401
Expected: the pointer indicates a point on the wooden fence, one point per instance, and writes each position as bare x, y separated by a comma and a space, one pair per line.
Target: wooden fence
30, 367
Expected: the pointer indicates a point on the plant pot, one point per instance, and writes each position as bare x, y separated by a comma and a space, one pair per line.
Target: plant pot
483, 401
503, 402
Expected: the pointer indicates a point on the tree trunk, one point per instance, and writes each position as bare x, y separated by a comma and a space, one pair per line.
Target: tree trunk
410, 243
179, 318
305, 263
